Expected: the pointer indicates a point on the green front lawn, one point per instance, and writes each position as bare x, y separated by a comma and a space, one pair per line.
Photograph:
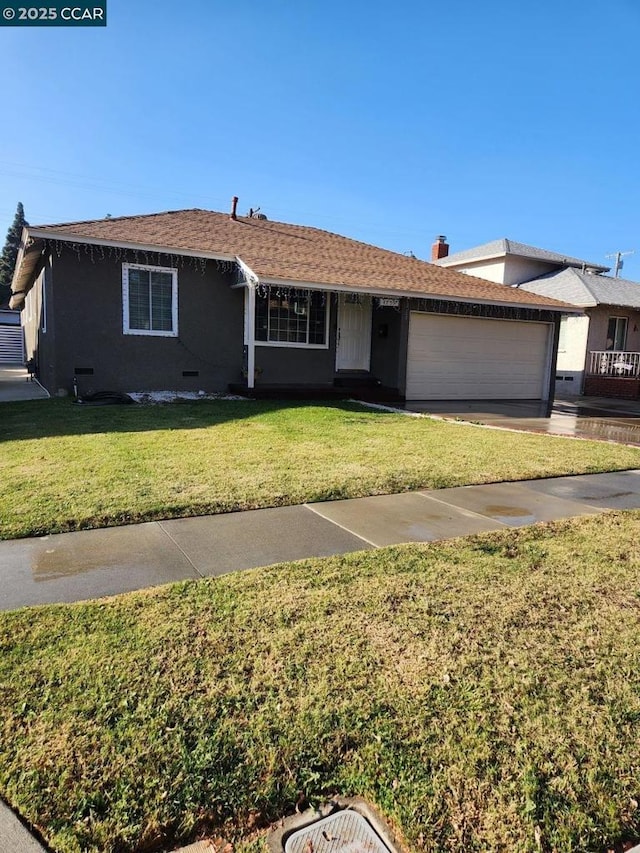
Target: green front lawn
483, 692
65, 467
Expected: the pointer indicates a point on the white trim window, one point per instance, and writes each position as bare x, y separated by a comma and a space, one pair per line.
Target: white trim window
292, 318
149, 300
616, 333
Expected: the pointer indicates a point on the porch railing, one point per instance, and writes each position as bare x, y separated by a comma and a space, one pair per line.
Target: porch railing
614, 363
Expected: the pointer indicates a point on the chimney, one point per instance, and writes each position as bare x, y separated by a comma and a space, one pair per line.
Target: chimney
440, 248
234, 205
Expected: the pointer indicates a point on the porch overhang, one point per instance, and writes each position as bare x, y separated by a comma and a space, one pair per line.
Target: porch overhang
28, 265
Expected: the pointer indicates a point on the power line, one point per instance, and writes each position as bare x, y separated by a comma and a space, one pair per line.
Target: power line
128, 190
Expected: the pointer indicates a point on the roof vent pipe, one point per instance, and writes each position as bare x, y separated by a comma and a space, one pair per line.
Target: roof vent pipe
234, 205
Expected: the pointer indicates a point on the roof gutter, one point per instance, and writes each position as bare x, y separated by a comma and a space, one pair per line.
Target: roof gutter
561, 307
451, 261
22, 281
66, 237
27, 261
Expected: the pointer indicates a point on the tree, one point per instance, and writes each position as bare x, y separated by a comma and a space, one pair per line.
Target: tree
10, 253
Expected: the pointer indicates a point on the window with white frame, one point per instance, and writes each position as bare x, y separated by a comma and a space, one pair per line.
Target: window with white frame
149, 300
292, 318
616, 333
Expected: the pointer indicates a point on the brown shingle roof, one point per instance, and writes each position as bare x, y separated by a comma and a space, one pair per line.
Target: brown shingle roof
296, 253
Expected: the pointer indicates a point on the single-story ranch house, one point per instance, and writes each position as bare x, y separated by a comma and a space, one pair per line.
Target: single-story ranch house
196, 300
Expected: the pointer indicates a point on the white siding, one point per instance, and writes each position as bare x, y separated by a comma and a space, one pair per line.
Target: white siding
490, 270
572, 354
455, 358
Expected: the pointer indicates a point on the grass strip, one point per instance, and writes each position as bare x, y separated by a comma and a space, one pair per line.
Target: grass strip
483, 692
64, 467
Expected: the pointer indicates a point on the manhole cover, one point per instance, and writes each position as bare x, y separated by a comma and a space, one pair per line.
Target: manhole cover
343, 832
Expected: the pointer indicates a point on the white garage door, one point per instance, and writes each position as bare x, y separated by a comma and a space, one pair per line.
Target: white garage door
455, 358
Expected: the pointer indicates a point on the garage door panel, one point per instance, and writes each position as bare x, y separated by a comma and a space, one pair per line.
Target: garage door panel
475, 358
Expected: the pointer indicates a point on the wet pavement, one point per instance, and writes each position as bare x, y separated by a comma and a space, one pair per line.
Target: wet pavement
68, 567
88, 564
595, 418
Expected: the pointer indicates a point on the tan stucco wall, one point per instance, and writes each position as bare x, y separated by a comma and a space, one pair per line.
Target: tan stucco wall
489, 270
506, 270
600, 321
518, 270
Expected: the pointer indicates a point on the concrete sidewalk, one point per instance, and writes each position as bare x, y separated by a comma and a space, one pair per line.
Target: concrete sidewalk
94, 563
89, 564
16, 384
14, 838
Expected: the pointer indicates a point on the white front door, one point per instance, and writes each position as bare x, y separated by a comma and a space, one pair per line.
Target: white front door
353, 346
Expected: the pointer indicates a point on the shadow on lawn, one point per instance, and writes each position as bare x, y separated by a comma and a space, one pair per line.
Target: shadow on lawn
35, 419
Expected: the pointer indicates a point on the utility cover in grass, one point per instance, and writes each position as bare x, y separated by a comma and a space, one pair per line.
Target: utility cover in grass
343, 832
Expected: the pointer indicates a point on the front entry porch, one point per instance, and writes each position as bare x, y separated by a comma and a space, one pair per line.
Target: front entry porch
613, 373
365, 388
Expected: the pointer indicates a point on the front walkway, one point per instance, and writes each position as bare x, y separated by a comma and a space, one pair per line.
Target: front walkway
15, 385
94, 563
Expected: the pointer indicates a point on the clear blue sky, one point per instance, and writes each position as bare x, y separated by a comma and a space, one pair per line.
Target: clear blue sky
390, 122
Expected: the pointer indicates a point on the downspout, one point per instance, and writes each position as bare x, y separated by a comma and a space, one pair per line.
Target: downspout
552, 356
249, 280
251, 334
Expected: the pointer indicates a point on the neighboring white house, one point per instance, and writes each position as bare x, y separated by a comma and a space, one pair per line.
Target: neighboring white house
599, 352
507, 262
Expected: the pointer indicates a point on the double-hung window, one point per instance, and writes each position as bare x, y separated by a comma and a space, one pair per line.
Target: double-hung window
292, 318
149, 300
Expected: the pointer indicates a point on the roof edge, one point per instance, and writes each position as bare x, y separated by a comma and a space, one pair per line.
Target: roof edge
70, 237
568, 262
562, 307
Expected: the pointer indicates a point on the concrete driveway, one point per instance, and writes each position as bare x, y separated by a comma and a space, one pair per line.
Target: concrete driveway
15, 384
597, 418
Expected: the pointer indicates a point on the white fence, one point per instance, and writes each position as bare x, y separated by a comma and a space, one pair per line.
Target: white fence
11, 345
614, 363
